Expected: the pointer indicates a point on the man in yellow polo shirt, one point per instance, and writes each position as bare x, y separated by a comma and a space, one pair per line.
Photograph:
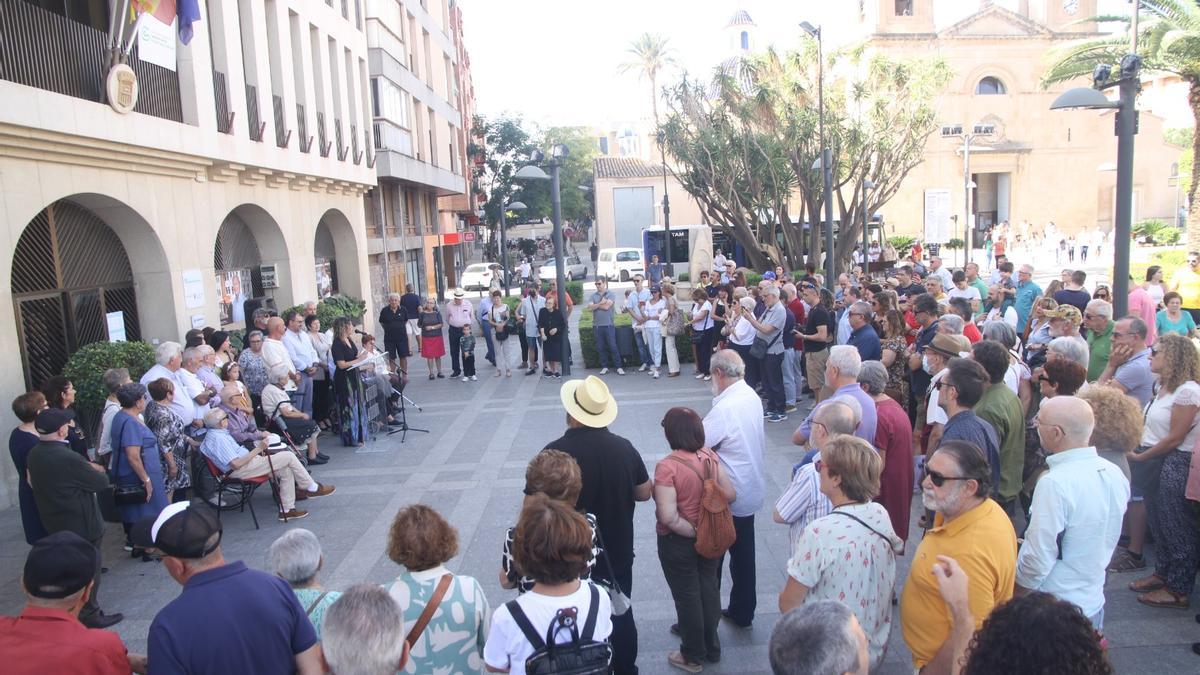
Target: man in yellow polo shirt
972, 529
1186, 282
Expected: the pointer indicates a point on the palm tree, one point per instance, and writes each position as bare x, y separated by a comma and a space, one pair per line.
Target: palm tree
650, 55
1168, 40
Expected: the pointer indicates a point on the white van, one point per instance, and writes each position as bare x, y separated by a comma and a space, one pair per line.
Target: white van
620, 264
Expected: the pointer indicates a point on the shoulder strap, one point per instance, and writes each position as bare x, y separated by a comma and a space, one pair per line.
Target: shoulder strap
531, 635
861, 522
308, 612
694, 469
430, 608
589, 626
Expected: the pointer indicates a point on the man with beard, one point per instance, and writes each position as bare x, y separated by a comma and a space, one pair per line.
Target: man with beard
971, 529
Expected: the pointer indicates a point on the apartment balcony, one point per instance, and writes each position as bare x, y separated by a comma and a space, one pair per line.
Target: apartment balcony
45, 50
395, 159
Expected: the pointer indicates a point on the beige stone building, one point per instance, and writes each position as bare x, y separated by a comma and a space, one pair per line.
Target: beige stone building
1039, 165
238, 176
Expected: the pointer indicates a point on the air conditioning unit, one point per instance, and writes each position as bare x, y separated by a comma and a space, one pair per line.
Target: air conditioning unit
984, 129
951, 130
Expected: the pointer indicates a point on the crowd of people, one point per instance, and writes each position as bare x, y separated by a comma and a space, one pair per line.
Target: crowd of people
1049, 440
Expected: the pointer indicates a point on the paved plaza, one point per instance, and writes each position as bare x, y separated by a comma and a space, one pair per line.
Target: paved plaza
471, 467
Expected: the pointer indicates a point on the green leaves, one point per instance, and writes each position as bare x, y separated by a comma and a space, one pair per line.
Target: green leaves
86, 369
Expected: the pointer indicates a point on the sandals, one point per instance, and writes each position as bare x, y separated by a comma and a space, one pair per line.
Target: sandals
676, 659
1164, 598
1147, 584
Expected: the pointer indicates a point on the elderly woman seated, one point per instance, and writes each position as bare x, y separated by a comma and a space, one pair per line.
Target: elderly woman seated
277, 406
235, 461
296, 558
242, 426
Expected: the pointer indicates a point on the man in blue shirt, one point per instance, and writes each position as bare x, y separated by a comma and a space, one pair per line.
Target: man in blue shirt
1024, 295
229, 618
862, 335
958, 392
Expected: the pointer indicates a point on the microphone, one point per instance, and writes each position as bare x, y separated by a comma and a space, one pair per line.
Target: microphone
360, 332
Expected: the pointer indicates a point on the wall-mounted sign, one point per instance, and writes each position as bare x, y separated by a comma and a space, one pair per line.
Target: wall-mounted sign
937, 215
268, 276
121, 87
156, 40
193, 289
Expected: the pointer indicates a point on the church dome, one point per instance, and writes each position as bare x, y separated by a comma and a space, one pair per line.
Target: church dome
740, 18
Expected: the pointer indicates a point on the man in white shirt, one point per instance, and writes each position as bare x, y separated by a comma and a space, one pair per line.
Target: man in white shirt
1078, 507
803, 502
275, 353
937, 270
718, 262
734, 429
194, 390
169, 358
304, 359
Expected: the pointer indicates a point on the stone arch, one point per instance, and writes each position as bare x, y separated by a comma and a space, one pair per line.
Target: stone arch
249, 243
335, 243
69, 271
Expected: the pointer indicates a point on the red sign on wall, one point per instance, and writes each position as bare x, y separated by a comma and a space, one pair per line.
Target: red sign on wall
468, 236
452, 238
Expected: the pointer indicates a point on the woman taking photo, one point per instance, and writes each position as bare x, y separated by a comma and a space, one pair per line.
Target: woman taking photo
850, 554
550, 330
60, 393
278, 408
1170, 435
552, 545
702, 322
422, 542
136, 460
741, 334
347, 385
1173, 319
433, 347
1154, 284
173, 441
695, 581
322, 381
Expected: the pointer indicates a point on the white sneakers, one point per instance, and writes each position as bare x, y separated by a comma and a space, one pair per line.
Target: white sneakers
643, 368
655, 373
620, 371
604, 371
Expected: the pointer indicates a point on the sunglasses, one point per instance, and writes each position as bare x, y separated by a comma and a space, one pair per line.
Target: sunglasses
939, 479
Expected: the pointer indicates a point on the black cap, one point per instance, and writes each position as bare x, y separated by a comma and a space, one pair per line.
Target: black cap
181, 530
51, 420
60, 565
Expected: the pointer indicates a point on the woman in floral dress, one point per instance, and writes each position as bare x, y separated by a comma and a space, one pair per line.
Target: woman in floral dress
173, 443
892, 329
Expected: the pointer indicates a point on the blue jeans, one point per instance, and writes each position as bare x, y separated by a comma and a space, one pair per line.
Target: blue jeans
606, 345
491, 346
643, 348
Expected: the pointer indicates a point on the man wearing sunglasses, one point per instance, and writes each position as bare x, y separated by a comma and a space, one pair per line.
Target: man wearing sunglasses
959, 390
1186, 282
969, 528
1077, 511
1128, 366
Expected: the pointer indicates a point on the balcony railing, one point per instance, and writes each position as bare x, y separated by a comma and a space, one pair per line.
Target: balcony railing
388, 136
39, 48
342, 149
257, 126
221, 100
354, 151
283, 136
323, 145
302, 124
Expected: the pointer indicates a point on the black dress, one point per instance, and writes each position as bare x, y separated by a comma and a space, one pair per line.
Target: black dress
548, 320
348, 390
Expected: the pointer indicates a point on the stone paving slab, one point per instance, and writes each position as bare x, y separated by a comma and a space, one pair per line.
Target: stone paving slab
471, 468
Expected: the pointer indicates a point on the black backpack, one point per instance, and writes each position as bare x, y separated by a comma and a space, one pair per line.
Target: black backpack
581, 656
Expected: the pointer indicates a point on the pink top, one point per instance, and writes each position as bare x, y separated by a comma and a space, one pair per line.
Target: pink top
1141, 304
688, 486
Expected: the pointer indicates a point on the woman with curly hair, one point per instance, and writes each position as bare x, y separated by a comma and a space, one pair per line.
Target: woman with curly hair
552, 545
1066, 642
1119, 422
452, 642
1170, 435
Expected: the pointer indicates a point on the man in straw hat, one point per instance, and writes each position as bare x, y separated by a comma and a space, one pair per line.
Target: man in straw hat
614, 480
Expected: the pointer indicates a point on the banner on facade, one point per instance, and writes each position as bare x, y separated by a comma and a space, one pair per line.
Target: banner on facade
937, 215
116, 326
156, 41
193, 289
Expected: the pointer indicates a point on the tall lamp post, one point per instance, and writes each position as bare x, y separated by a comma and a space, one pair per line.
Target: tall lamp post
826, 160
958, 131
868, 184
514, 206
666, 203
532, 171
1128, 83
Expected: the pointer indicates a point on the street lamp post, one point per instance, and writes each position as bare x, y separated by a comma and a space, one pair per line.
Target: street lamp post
958, 131
826, 155
868, 184
531, 171
515, 206
1090, 98
666, 204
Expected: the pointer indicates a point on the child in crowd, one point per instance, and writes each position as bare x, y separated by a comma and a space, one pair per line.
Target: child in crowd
466, 345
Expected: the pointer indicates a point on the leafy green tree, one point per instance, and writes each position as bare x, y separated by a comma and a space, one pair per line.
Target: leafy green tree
1168, 40
576, 170
506, 145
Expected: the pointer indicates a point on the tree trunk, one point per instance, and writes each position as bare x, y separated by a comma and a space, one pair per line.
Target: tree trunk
1193, 213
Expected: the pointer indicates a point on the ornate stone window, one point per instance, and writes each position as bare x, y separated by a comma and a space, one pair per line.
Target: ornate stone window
990, 86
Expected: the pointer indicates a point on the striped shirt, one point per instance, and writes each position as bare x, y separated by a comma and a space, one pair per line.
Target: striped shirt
803, 502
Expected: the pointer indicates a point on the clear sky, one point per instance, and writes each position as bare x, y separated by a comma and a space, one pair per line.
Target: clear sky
555, 61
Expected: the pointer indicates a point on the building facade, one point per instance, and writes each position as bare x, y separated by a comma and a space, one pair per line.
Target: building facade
238, 177
416, 59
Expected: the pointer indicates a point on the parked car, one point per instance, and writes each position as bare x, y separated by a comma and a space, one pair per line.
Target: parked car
478, 277
620, 264
575, 269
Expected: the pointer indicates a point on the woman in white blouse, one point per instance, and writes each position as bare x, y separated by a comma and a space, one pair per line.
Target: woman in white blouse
652, 327
702, 321
1170, 434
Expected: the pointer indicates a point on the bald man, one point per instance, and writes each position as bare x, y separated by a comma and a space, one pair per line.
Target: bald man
1077, 510
275, 353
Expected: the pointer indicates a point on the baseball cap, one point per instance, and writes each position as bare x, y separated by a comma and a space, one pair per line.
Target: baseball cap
768, 275
51, 420
181, 530
1069, 312
656, 289
60, 565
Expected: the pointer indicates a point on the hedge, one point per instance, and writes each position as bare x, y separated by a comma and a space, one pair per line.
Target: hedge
336, 306
574, 289
627, 346
85, 369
